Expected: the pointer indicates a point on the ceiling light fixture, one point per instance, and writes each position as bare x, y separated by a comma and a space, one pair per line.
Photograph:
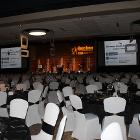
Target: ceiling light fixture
36, 32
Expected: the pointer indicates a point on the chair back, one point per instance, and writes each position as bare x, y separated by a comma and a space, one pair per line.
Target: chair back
112, 132
50, 118
18, 108
62, 102
51, 114
49, 122
114, 104
66, 111
123, 88
10, 93
67, 91
3, 97
45, 92
60, 96
33, 116
42, 99
91, 88
53, 85
34, 96
21, 87
76, 102
38, 86
3, 104
61, 128
120, 86
99, 85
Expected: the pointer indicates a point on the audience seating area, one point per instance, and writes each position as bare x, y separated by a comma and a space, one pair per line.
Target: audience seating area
88, 102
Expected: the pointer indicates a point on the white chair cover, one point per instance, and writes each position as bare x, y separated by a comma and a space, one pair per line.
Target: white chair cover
54, 85
42, 102
98, 84
3, 106
87, 126
138, 84
16, 128
33, 116
67, 91
134, 128
21, 87
38, 86
10, 93
91, 88
18, 108
61, 128
50, 117
115, 105
68, 112
112, 132
52, 96
120, 86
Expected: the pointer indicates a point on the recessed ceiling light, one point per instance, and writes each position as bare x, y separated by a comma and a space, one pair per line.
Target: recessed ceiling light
37, 33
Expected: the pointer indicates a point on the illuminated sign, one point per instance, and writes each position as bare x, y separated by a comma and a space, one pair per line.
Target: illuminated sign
81, 50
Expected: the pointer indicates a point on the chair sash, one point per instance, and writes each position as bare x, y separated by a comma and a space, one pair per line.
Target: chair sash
47, 128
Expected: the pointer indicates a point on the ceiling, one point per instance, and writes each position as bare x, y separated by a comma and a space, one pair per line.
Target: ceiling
109, 19
16, 7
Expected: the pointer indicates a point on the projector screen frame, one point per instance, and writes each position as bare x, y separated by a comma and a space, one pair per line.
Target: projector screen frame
120, 52
10, 58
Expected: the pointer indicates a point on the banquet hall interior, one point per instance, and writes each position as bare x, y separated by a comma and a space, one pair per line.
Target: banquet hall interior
70, 70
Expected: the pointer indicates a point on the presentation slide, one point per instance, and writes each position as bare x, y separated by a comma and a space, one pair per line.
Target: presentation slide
120, 52
11, 57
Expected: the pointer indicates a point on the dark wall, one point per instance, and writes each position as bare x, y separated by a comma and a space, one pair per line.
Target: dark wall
63, 49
